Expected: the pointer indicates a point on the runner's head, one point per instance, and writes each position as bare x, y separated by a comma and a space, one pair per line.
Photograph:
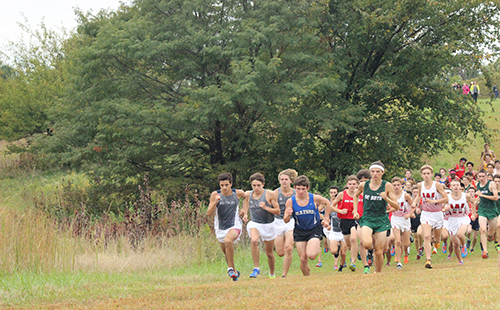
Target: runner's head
397, 184
301, 185
352, 182
377, 169
426, 172
225, 182
414, 191
442, 171
481, 176
470, 166
490, 168
496, 179
463, 160
437, 177
363, 175
407, 173
455, 186
333, 191
487, 158
257, 181
471, 191
286, 177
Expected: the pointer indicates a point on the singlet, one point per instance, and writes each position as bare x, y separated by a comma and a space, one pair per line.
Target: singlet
282, 202
484, 202
373, 204
347, 203
459, 171
404, 206
433, 194
257, 214
335, 222
226, 214
460, 207
307, 217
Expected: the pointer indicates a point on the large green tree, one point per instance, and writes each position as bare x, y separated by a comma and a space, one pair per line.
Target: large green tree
187, 89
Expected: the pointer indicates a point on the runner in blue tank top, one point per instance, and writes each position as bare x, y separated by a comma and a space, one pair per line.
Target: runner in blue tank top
375, 221
224, 204
263, 206
308, 227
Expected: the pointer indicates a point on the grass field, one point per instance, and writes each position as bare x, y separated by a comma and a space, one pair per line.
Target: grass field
190, 272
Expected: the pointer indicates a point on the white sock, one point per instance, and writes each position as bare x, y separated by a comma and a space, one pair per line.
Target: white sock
230, 268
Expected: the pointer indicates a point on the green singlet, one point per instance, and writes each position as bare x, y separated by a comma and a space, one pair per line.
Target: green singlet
487, 208
375, 209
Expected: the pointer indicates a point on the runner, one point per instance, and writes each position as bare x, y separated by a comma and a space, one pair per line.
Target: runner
375, 222
400, 222
366, 256
337, 244
474, 224
487, 192
416, 228
487, 151
224, 204
460, 167
334, 190
432, 195
307, 232
458, 207
470, 168
348, 225
262, 205
284, 241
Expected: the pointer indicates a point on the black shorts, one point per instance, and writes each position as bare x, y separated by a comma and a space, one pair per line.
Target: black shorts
414, 224
300, 235
475, 224
388, 233
346, 225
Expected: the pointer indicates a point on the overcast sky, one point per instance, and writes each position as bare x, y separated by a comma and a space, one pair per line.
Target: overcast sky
57, 13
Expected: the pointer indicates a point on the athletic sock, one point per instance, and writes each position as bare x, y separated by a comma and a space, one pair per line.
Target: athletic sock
336, 255
230, 268
481, 246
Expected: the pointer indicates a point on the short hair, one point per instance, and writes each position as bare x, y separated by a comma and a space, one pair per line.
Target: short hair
352, 178
437, 174
291, 173
497, 161
496, 176
470, 174
301, 181
455, 180
225, 176
490, 164
414, 188
482, 171
424, 167
486, 144
463, 158
407, 170
257, 177
334, 187
397, 179
363, 173
487, 155
470, 163
378, 162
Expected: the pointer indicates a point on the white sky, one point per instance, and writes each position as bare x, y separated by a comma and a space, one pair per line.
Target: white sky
56, 13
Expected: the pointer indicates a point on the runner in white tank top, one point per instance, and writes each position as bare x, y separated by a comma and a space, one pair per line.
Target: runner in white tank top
400, 221
458, 206
432, 195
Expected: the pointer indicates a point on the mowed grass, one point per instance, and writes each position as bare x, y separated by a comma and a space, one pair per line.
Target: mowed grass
206, 286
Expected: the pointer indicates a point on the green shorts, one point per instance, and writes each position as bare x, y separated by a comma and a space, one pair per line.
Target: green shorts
377, 224
489, 213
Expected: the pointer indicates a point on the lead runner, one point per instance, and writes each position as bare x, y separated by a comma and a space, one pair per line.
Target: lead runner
375, 222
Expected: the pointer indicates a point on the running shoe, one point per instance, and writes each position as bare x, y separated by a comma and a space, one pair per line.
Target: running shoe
463, 249
359, 256
335, 267
319, 264
352, 267
449, 257
388, 264
428, 264
341, 267
497, 247
272, 276
393, 252
472, 250
406, 261
468, 243
345, 265
444, 248
460, 263
326, 250
418, 256
434, 251
366, 270
283, 276
421, 252
233, 274
255, 273
491, 238
399, 266
485, 255
411, 238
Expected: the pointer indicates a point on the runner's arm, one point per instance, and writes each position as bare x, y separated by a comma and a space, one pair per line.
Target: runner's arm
246, 206
288, 211
440, 190
335, 203
212, 206
355, 201
390, 197
273, 201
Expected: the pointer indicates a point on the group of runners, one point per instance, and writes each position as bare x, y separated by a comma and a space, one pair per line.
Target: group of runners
384, 217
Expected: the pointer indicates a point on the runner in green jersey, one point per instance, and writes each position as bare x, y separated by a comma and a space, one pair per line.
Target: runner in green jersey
488, 212
375, 221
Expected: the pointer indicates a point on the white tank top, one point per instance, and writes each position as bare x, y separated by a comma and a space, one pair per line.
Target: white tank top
430, 194
458, 207
404, 206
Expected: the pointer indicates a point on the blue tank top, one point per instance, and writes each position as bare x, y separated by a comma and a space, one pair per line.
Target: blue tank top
307, 217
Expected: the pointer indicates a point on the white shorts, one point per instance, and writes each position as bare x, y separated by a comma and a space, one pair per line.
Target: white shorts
336, 235
221, 234
454, 223
446, 223
399, 222
434, 219
282, 228
267, 231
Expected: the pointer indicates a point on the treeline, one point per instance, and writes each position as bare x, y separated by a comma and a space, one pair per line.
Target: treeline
183, 90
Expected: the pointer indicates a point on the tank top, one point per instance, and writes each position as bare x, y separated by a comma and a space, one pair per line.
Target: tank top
226, 214
433, 194
307, 217
485, 190
404, 206
373, 204
346, 203
282, 202
460, 207
257, 214
335, 222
